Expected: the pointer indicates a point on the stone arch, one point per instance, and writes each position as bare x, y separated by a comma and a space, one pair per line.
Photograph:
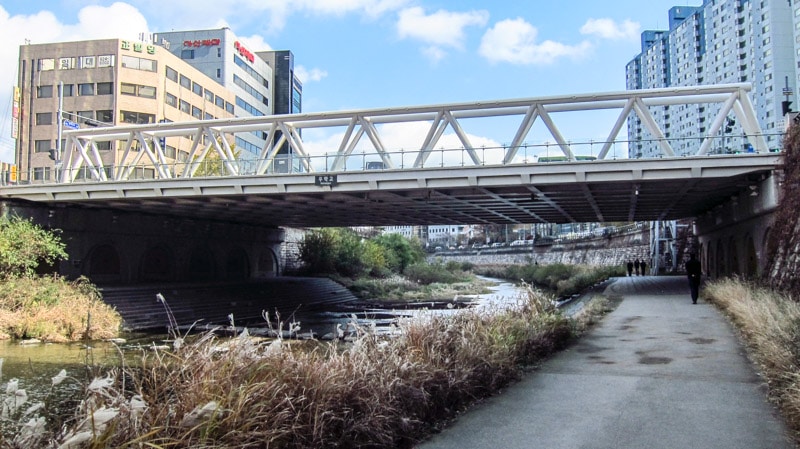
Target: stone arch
719, 263
751, 257
733, 257
267, 264
202, 265
157, 265
237, 265
103, 264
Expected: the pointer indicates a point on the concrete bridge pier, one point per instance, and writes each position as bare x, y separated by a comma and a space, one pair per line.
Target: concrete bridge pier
113, 247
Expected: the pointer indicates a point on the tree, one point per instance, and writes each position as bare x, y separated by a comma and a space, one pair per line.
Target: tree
212, 164
25, 245
401, 252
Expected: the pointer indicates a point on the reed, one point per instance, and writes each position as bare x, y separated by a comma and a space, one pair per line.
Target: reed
378, 391
769, 322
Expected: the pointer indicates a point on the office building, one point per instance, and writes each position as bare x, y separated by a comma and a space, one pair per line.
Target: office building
104, 83
722, 41
263, 82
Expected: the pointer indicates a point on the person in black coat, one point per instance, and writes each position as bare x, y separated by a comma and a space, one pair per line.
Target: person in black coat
643, 267
694, 272
636, 266
630, 268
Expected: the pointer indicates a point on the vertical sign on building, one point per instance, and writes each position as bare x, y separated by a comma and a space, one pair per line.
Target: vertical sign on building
15, 114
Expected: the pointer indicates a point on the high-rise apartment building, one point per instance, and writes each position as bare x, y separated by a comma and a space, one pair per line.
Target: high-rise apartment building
722, 41
102, 83
263, 82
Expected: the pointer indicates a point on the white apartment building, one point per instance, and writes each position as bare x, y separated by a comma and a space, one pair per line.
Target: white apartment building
721, 41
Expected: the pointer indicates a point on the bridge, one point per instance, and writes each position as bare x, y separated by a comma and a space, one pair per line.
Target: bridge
558, 181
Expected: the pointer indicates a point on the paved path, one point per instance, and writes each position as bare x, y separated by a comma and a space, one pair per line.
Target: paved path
658, 372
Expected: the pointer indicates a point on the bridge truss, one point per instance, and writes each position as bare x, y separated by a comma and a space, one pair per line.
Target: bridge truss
211, 139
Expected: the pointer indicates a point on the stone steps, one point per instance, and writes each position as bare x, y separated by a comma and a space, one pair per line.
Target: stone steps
212, 303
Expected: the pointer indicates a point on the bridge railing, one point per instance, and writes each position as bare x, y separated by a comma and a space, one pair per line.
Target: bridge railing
365, 161
368, 139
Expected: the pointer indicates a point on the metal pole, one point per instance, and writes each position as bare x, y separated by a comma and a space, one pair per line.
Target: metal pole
57, 161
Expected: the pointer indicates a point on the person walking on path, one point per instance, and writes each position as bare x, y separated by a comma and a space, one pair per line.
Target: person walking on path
636, 266
694, 272
643, 267
630, 268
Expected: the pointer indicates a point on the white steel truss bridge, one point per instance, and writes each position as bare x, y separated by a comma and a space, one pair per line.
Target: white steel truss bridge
426, 184
143, 144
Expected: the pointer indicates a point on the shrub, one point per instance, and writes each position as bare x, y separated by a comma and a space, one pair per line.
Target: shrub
25, 245
426, 274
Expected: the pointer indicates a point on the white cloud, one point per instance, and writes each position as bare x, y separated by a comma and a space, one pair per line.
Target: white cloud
440, 30
515, 41
256, 42
311, 75
609, 29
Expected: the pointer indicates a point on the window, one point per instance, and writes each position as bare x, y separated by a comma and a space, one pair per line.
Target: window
184, 106
127, 89
147, 91
196, 112
44, 92
68, 90
132, 62
137, 118
47, 64
229, 107
250, 71
171, 100
186, 82
172, 74
42, 146
187, 54
208, 95
104, 146
85, 116
44, 118
207, 116
86, 89
105, 116
105, 88
219, 101
197, 89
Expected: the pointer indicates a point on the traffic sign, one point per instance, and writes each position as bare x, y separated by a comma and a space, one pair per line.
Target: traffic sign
70, 124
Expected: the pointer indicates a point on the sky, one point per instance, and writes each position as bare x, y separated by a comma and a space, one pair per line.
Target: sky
355, 54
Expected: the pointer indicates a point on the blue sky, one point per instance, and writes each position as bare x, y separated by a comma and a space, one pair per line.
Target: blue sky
353, 54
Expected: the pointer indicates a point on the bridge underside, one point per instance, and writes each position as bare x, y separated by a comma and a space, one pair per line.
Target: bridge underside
595, 191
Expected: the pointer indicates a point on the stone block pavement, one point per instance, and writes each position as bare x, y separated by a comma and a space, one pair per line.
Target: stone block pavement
657, 372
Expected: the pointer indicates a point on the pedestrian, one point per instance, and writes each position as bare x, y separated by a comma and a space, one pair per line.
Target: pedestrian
630, 268
694, 272
636, 266
643, 266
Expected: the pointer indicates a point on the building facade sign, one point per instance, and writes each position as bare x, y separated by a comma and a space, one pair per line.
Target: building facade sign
138, 47
201, 43
244, 52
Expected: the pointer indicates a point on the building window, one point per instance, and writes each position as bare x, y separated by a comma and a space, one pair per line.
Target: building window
229, 107
85, 116
86, 89
103, 146
105, 116
132, 62
184, 106
172, 74
197, 89
105, 88
138, 118
196, 112
186, 82
171, 100
127, 89
44, 118
68, 90
147, 91
47, 64
42, 146
187, 54
219, 101
208, 95
44, 92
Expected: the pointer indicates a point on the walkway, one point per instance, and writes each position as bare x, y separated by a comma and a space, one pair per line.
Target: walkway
658, 372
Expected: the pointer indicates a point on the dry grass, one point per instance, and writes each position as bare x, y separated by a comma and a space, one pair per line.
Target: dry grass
770, 324
53, 309
378, 392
